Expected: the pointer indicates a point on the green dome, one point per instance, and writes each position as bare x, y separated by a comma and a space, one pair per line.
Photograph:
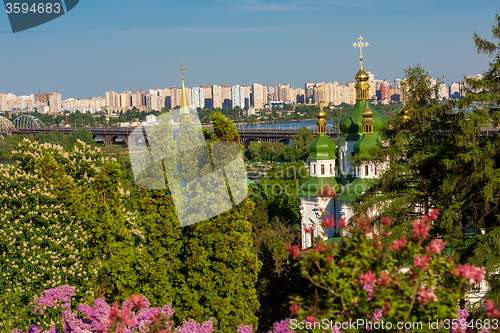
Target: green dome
351, 126
321, 148
367, 141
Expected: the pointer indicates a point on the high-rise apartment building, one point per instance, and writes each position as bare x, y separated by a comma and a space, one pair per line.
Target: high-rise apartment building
257, 96
217, 96
110, 98
237, 96
198, 97
55, 103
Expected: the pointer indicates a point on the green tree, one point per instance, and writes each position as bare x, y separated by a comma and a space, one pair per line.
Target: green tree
437, 158
301, 140
475, 171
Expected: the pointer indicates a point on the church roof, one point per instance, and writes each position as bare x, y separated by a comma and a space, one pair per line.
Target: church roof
311, 187
351, 126
353, 191
321, 148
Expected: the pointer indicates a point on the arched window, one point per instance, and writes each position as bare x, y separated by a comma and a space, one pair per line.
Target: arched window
366, 170
314, 169
322, 169
375, 170
331, 169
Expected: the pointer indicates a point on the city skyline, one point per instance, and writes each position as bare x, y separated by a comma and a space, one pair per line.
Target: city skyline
133, 45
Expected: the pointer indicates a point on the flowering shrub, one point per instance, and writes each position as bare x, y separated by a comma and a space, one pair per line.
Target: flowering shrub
41, 243
358, 282
49, 227
135, 315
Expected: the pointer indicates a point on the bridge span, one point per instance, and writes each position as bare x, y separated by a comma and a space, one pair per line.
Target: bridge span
109, 135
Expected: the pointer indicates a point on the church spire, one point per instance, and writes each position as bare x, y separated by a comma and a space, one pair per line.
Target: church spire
361, 77
184, 101
321, 122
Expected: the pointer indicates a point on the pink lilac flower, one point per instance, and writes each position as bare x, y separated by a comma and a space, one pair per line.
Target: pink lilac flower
491, 310
426, 296
470, 273
342, 223
328, 222
294, 308
293, 250
421, 261
398, 245
383, 279
421, 228
437, 245
385, 220
367, 278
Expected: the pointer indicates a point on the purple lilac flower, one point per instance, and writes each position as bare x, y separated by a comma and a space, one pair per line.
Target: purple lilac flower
49, 298
463, 314
192, 326
245, 329
281, 327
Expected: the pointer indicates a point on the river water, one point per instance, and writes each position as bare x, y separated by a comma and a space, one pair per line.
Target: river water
311, 124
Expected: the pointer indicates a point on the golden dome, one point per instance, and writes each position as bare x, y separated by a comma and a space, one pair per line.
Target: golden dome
361, 75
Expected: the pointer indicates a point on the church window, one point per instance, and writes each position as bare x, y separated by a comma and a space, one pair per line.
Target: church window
331, 169
375, 170
322, 169
366, 170
314, 169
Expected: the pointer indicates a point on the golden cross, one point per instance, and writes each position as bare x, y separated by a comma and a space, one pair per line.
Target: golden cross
182, 70
360, 44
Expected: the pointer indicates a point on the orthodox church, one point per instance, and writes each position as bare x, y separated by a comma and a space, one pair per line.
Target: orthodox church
360, 131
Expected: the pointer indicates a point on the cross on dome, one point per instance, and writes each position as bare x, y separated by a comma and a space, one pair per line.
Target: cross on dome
360, 44
182, 69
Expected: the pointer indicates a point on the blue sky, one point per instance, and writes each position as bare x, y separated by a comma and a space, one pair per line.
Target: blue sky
139, 44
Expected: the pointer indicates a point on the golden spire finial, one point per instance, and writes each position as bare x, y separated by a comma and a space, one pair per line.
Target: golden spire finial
321, 122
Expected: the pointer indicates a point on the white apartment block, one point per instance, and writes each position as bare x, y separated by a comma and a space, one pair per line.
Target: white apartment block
237, 96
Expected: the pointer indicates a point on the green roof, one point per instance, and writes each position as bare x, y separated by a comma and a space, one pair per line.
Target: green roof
351, 126
321, 148
367, 141
311, 187
352, 191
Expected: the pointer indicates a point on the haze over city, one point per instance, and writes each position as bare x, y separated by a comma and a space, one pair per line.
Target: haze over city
138, 45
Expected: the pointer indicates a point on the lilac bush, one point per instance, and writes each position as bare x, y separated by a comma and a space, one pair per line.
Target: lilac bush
135, 315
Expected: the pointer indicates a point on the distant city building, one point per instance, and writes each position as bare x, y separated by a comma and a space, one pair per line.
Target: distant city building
198, 97
257, 98
238, 96
110, 98
55, 103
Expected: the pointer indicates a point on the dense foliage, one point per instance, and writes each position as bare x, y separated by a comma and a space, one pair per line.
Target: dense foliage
363, 288
439, 158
